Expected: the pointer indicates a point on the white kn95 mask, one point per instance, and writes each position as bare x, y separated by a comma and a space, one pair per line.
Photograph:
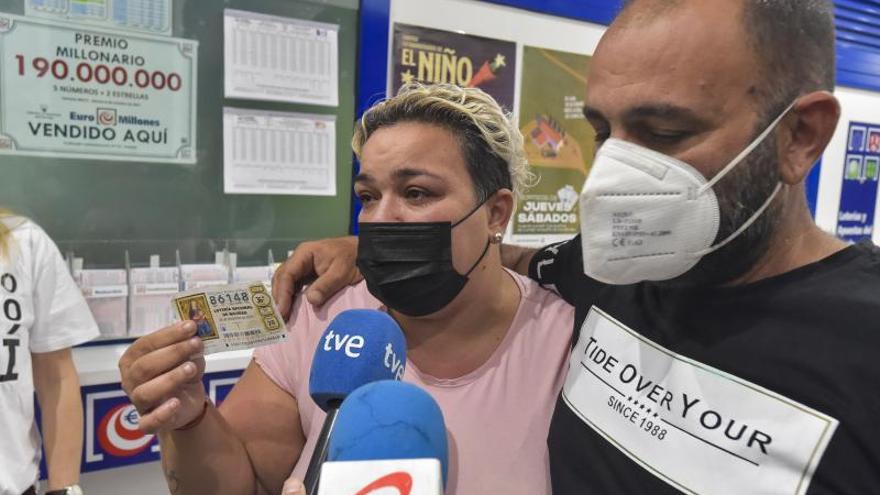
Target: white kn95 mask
648, 216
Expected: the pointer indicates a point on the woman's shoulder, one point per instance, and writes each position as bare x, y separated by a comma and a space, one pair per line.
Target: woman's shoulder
352, 297
26, 243
534, 294
21, 226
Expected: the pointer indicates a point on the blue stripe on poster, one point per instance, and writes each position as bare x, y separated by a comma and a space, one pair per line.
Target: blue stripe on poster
861, 172
375, 17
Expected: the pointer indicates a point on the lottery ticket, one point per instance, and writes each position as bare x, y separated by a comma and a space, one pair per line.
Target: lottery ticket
231, 317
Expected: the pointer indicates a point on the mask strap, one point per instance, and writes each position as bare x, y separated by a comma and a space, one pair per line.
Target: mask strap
485, 250
744, 226
479, 205
751, 147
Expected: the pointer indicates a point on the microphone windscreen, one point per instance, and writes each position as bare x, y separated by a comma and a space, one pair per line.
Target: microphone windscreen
389, 420
359, 346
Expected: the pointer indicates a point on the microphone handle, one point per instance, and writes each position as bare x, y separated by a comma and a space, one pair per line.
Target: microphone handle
313, 473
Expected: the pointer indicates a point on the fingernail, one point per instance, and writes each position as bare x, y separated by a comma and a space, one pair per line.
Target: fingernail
195, 342
189, 368
293, 487
173, 403
189, 326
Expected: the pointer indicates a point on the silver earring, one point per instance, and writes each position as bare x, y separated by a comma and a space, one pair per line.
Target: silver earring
497, 238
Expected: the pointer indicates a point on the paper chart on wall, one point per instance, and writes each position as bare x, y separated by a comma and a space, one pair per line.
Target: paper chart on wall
278, 153
280, 59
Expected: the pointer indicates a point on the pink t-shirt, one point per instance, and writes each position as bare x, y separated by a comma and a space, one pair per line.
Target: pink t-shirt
497, 416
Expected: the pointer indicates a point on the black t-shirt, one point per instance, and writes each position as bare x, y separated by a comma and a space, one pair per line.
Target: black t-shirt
771, 387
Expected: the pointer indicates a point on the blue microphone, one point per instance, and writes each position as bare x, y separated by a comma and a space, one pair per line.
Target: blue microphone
360, 346
389, 420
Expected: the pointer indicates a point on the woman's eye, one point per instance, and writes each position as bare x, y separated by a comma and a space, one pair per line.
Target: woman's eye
417, 194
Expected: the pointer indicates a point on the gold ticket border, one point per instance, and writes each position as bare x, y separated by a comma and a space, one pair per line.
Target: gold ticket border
182, 305
255, 289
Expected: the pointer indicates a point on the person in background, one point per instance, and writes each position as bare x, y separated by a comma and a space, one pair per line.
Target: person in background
737, 341
440, 167
42, 315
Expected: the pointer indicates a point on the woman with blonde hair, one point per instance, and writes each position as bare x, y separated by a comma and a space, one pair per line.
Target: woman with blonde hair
440, 168
42, 315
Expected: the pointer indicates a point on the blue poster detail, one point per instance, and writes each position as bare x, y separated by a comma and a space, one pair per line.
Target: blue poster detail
861, 172
111, 437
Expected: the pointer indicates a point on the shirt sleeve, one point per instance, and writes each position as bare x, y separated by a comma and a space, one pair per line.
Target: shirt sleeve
61, 316
283, 362
559, 267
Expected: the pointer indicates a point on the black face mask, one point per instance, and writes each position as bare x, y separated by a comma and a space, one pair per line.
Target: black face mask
408, 266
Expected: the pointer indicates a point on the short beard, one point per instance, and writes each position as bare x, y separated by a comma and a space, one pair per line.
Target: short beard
740, 195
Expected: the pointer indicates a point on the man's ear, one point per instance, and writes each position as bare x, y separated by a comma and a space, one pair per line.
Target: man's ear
805, 133
500, 208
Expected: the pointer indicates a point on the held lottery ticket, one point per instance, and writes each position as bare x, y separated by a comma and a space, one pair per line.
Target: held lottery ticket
231, 317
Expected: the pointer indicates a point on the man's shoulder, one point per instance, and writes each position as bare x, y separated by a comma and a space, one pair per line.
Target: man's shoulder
869, 253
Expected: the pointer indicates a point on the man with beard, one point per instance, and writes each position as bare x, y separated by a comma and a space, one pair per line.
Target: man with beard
723, 342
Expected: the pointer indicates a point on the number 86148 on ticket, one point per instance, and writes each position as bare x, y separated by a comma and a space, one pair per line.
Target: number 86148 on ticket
231, 317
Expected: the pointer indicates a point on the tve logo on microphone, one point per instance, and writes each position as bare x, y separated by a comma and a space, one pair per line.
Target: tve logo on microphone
352, 345
385, 477
348, 343
393, 363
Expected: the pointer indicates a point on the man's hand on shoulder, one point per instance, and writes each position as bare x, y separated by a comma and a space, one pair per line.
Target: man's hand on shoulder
327, 265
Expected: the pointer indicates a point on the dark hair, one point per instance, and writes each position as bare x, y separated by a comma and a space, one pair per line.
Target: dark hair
793, 41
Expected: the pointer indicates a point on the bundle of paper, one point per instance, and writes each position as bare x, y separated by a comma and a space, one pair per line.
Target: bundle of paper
106, 292
151, 291
254, 274
237, 316
202, 276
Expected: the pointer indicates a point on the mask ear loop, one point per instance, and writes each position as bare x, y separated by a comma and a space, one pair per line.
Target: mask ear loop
479, 205
750, 148
486, 249
744, 226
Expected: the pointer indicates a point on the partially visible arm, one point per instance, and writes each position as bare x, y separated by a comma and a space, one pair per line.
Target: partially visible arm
558, 267
517, 258
249, 445
328, 264
57, 385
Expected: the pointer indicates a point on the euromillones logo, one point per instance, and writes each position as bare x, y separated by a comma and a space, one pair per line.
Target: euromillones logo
118, 432
106, 116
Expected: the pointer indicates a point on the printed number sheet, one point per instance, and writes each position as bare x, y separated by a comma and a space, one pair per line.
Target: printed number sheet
278, 153
280, 59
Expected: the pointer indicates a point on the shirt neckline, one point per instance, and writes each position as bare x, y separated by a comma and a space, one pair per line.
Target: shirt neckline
514, 328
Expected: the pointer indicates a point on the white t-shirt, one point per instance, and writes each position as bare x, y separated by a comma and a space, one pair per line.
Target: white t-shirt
41, 310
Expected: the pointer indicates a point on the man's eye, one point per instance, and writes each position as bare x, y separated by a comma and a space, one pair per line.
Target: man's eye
365, 197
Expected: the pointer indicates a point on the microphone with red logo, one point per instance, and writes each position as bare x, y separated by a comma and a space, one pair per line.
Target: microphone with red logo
359, 346
389, 436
